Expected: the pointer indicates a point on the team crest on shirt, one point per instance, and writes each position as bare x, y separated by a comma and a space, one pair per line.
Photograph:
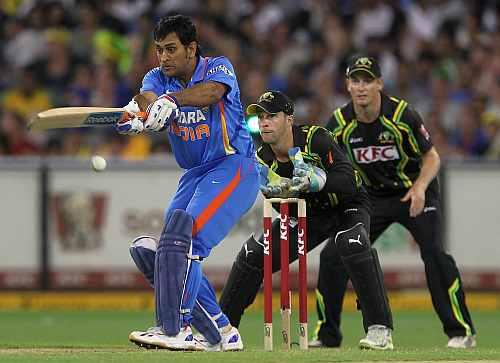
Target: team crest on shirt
386, 138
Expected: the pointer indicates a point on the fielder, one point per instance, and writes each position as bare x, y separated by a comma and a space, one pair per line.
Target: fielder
388, 144
195, 101
305, 161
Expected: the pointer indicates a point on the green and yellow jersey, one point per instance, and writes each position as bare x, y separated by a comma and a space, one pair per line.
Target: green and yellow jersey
387, 153
343, 184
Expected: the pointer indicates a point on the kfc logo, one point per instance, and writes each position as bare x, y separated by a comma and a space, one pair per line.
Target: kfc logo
301, 245
267, 241
371, 154
284, 227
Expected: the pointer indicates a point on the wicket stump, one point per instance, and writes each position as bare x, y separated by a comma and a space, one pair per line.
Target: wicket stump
285, 293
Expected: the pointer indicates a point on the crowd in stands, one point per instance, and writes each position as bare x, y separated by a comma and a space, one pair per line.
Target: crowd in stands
443, 56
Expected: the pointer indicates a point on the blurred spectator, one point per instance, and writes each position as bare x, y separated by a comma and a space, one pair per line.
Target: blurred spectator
73, 143
28, 97
110, 90
83, 35
441, 55
138, 147
79, 90
58, 65
253, 85
492, 124
4, 146
470, 136
374, 18
16, 140
25, 41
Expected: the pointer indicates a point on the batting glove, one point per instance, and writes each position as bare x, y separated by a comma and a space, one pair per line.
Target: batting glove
272, 185
162, 113
132, 121
132, 107
306, 177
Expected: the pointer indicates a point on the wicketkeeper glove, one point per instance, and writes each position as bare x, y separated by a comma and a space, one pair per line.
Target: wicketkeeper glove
306, 177
272, 185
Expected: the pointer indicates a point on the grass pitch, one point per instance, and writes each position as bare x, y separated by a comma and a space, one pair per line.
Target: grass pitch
101, 336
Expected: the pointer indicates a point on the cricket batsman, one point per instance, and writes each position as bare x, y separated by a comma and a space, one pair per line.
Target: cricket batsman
195, 102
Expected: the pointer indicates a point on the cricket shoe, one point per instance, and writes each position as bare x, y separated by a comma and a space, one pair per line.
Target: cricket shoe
317, 343
205, 345
138, 337
155, 338
465, 342
231, 341
379, 337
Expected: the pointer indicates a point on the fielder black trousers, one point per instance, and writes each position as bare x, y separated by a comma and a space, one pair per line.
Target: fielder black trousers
443, 277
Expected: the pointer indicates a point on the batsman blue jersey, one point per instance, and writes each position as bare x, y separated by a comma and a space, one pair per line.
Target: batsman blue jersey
219, 185
208, 133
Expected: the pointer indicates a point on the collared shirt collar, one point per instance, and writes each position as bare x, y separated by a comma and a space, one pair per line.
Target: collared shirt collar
298, 136
200, 70
385, 107
198, 74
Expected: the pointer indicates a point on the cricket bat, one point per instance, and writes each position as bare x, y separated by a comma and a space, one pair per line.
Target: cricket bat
68, 117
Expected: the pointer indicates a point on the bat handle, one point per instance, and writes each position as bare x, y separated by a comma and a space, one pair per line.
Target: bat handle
127, 116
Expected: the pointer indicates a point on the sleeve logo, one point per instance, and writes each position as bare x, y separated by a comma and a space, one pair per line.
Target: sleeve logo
220, 68
424, 132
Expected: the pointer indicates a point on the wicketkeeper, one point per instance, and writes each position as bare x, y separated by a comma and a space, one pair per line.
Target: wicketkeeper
305, 161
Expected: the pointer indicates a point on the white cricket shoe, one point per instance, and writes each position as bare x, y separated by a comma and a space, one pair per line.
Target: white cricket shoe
379, 337
138, 336
315, 343
155, 338
231, 341
204, 345
465, 342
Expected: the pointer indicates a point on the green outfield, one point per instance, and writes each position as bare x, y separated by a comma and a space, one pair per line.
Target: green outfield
101, 336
